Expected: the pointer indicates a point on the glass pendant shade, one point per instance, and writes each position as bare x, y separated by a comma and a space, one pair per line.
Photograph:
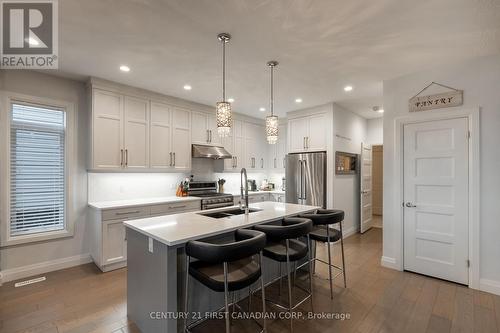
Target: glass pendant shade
224, 119
272, 129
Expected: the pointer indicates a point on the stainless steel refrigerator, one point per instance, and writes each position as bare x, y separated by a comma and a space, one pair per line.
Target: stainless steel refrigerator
306, 178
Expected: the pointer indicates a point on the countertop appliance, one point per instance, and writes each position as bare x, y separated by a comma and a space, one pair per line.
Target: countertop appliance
210, 198
252, 185
306, 179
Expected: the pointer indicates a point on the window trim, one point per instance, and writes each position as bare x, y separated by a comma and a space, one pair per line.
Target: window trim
70, 161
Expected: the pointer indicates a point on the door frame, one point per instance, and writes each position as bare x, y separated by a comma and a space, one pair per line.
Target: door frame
473, 117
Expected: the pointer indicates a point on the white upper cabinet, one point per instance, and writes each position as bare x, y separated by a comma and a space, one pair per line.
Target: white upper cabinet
181, 139
204, 129
235, 145
136, 133
170, 137
107, 128
307, 133
255, 147
277, 151
161, 136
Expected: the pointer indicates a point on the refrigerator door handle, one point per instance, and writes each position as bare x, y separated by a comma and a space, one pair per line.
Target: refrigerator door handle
300, 181
304, 189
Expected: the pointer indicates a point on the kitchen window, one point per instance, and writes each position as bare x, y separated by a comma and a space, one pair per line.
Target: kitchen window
38, 189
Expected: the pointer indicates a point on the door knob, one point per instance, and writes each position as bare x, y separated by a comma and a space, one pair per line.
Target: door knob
410, 205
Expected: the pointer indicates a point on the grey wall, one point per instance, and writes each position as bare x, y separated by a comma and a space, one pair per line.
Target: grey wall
480, 80
47, 86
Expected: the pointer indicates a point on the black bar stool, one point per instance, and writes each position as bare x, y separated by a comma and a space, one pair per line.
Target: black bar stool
322, 220
283, 246
227, 267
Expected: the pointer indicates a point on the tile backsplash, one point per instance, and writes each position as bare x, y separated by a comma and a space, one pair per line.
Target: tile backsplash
124, 186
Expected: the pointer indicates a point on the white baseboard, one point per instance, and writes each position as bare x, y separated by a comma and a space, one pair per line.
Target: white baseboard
389, 262
349, 232
490, 286
43, 267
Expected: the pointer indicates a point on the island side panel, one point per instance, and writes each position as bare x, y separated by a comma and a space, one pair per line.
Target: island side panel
151, 284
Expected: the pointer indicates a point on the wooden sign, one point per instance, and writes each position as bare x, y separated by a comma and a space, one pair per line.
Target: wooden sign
436, 101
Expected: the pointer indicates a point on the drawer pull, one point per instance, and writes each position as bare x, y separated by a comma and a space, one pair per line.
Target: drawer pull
176, 207
126, 213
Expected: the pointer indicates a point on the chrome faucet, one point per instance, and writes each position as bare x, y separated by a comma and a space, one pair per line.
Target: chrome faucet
243, 172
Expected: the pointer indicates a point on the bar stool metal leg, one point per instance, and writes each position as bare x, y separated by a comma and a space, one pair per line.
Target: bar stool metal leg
226, 296
263, 294
310, 271
289, 284
186, 295
329, 261
343, 258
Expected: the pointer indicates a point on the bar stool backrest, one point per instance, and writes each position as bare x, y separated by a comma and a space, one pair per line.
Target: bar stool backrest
325, 216
247, 243
292, 227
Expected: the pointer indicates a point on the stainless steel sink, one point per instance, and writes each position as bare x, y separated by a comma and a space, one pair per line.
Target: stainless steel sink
228, 212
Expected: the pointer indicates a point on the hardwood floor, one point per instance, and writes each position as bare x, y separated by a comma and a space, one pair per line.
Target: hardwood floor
83, 300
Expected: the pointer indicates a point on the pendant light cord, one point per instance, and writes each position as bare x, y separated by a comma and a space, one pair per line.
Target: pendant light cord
223, 70
272, 91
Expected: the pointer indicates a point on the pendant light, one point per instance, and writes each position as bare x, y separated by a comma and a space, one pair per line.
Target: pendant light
272, 120
223, 108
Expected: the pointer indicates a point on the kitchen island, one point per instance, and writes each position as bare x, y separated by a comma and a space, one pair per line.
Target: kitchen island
156, 261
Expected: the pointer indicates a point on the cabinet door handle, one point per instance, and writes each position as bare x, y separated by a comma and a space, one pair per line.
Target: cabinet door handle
304, 142
121, 157
284, 162
307, 142
275, 162
174, 158
170, 158
126, 157
208, 136
236, 161
262, 163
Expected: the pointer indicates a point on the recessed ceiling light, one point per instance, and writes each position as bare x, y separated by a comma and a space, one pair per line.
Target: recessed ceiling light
378, 109
124, 68
348, 88
230, 100
262, 109
33, 41
381, 111
187, 87
298, 100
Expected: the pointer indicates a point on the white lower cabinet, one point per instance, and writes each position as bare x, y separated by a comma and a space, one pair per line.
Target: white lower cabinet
277, 197
108, 235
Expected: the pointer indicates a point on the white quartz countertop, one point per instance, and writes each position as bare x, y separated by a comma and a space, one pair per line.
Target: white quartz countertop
180, 228
139, 202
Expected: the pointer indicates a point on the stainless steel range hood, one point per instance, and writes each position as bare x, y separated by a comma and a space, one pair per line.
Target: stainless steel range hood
213, 152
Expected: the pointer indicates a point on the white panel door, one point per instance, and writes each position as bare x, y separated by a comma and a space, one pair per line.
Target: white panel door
316, 137
181, 143
199, 128
436, 199
136, 133
366, 196
161, 136
107, 130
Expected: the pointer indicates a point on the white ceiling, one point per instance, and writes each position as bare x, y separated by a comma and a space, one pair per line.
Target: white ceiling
321, 45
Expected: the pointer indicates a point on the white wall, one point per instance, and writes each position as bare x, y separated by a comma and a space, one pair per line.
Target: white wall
375, 131
480, 80
42, 85
349, 130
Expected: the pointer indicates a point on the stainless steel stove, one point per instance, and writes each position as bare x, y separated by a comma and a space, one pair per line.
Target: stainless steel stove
210, 198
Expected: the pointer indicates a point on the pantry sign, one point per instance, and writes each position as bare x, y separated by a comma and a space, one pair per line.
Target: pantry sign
436, 101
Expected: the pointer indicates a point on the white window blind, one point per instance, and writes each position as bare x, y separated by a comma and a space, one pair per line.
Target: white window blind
37, 169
